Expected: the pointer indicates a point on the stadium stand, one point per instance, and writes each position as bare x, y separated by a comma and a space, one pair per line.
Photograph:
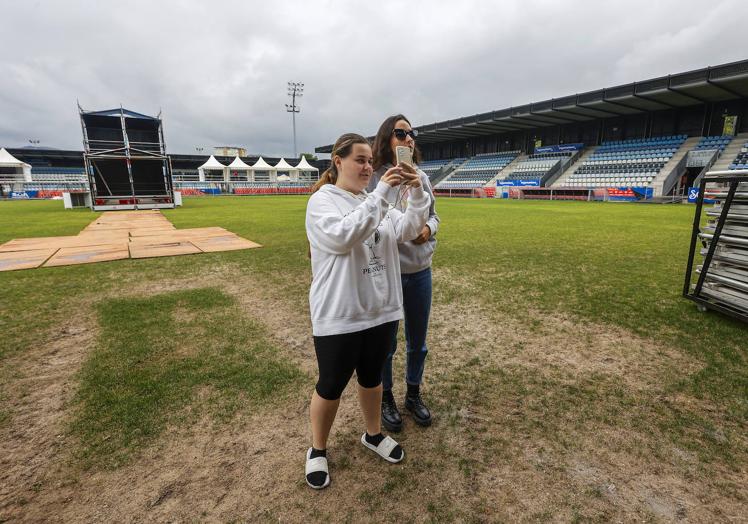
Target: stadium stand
629, 163
710, 103
49, 182
713, 142
533, 169
541, 167
56, 186
477, 171
58, 175
49, 170
197, 188
740, 161
182, 175
446, 170
430, 167
272, 188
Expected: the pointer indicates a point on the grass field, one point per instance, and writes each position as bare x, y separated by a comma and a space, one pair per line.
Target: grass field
569, 379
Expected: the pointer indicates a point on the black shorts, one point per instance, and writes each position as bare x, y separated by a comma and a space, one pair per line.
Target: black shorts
339, 355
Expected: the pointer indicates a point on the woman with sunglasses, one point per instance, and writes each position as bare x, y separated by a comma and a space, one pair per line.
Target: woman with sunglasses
415, 268
355, 298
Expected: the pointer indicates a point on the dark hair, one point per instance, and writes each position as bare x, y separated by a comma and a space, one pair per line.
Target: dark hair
342, 148
383, 153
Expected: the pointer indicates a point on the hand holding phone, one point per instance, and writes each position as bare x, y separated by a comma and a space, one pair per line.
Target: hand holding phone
403, 155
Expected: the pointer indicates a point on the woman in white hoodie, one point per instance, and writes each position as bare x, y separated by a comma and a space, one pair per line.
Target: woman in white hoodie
356, 296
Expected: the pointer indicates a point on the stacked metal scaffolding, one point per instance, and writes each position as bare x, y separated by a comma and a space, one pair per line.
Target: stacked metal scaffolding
722, 282
125, 159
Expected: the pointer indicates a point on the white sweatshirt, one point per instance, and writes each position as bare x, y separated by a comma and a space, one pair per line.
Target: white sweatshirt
355, 264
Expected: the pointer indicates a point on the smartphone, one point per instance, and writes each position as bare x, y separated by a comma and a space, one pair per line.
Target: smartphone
404, 155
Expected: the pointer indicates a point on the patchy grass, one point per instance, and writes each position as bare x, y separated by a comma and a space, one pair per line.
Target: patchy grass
166, 359
518, 434
619, 264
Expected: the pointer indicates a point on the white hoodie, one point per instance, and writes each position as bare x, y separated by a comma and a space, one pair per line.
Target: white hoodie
355, 264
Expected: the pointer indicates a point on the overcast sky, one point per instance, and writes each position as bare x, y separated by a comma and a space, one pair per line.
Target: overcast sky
218, 70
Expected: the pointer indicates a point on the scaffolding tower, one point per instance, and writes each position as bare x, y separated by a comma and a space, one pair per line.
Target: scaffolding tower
125, 160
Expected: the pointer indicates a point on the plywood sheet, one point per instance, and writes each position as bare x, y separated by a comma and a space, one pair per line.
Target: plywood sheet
156, 239
153, 230
162, 249
131, 225
224, 243
107, 227
24, 244
116, 235
24, 259
119, 235
89, 254
197, 232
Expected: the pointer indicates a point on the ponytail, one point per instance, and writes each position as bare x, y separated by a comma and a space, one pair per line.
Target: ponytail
330, 176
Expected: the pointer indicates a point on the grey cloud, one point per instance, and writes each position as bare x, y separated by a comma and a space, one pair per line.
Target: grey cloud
218, 70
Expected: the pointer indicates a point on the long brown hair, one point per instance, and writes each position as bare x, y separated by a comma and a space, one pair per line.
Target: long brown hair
342, 148
383, 153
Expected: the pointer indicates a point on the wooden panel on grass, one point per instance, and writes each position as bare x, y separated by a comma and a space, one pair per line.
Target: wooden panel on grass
130, 225
112, 236
88, 254
156, 239
224, 243
107, 227
162, 249
24, 259
196, 232
153, 230
24, 244
113, 216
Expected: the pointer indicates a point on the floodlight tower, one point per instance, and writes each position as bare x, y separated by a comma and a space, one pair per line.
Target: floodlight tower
295, 90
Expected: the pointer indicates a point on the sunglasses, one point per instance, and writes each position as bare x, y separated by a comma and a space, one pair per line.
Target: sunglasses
400, 134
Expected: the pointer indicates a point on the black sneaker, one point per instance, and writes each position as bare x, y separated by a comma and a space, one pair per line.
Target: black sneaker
391, 419
414, 404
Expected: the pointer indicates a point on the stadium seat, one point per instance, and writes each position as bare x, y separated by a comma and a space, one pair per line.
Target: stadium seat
629, 163
741, 160
477, 171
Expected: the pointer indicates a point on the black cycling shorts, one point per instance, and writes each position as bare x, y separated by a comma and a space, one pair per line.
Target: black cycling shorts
363, 351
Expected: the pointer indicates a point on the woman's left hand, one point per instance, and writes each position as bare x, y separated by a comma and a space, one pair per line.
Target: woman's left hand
424, 236
410, 175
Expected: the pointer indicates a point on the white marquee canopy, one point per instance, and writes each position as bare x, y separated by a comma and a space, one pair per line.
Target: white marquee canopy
261, 165
22, 168
304, 165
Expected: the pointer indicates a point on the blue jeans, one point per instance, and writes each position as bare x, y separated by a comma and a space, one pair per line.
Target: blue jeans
416, 306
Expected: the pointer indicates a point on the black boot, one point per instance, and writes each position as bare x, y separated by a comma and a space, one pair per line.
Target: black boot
391, 419
414, 404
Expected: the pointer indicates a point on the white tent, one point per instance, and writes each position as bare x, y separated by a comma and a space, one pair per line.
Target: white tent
286, 170
239, 165
270, 173
304, 165
305, 171
21, 168
261, 165
240, 168
282, 165
211, 165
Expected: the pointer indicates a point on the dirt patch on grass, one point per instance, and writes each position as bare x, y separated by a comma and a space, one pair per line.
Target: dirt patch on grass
556, 344
38, 396
535, 419
546, 460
